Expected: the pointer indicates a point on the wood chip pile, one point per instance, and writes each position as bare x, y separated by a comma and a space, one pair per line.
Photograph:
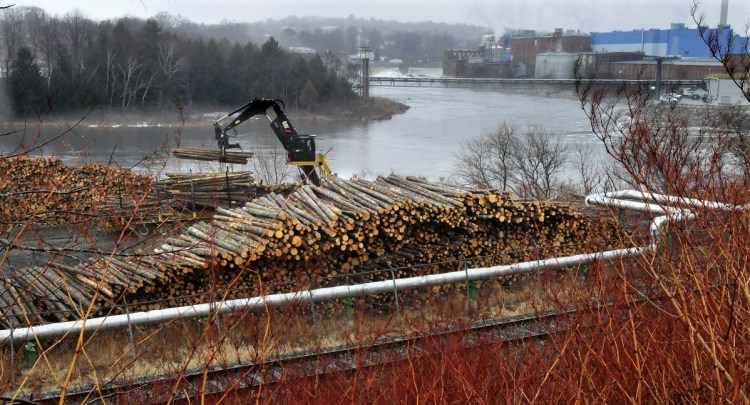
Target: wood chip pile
338, 229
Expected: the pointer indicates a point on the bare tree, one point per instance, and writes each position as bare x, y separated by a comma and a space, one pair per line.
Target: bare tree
734, 122
538, 163
727, 47
74, 30
47, 42
12, 26
665, 148
130, 72
485, 161
503, 143
269, 164
474, 158
529, 164
593, 175
172, 64
732, 51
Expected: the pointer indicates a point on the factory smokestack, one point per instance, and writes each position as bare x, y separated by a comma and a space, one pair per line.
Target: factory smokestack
724, 12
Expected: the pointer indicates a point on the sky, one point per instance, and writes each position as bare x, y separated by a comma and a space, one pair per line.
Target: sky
542, 15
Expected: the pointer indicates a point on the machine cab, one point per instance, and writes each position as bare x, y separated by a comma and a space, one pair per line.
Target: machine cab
302, 149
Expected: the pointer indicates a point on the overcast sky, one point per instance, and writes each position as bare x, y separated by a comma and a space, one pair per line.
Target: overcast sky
544, 15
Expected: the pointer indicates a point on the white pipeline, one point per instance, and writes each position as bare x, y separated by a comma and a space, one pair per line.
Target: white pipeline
55, 330
614, 199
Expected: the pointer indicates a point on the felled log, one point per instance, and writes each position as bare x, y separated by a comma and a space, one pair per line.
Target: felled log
214, 189
341, 231
211, 155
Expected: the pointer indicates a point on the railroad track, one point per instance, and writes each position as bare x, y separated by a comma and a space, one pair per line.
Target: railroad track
248, 375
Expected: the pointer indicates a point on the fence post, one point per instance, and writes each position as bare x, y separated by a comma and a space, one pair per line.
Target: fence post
537, 270
348, 309
30, 354
130, 330
312, 309
395, 292
12, 352
472, 286
212, 307
583, 271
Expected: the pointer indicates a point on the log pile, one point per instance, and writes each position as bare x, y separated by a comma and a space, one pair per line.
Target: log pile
47, 191
151, 210
212, 155
343, 231
215, 189
60, 292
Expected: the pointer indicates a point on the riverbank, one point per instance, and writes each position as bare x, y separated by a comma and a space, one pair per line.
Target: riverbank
373, 109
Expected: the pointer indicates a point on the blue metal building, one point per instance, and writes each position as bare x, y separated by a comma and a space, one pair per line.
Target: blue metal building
676, 41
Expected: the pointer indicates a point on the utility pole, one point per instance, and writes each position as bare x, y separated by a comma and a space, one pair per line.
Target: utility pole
659, 60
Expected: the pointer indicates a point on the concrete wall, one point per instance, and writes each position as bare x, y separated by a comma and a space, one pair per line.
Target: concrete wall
723, 91
555, 65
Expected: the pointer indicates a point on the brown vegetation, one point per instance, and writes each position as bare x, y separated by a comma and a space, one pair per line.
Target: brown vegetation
668, 326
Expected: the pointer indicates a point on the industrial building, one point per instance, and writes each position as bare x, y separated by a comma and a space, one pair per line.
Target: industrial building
490, 60
524, 51
606, 55
636, 65
678, 41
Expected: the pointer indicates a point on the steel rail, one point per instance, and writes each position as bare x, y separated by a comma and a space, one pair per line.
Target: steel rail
272, 370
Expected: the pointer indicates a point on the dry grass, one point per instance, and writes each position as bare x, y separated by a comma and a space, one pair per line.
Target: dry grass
194, 344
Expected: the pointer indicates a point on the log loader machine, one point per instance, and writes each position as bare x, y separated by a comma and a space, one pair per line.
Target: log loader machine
300, 148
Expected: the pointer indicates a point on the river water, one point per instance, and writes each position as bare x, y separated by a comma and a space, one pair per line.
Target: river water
423, 141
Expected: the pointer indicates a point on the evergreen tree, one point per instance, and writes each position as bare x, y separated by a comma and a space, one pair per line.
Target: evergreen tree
26, 86
309, 96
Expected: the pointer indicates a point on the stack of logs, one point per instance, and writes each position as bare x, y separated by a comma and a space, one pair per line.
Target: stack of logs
214, 189
45, 190
318, 236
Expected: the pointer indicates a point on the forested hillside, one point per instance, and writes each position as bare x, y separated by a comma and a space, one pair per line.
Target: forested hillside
74, 63
413, 42
69, 63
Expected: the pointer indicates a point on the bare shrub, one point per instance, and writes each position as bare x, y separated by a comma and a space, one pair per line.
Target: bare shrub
269, 164
475, 161
538, 163
529, 164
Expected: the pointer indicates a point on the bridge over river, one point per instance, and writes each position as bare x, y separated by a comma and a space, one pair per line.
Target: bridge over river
560, 84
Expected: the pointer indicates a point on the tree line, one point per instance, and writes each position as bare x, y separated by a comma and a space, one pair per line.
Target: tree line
409, 46
412, 42
73, 63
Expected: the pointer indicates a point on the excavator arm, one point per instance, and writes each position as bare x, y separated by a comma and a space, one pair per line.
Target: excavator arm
300, 149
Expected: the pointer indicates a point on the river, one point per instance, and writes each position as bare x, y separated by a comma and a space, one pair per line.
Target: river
423, 141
